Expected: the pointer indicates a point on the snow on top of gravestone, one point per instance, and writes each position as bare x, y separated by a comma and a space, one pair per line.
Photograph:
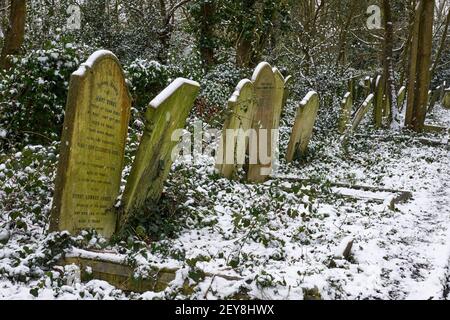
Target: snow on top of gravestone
259, 68
91, 60
308, 97
275, 70
167, 92
378, 80
238, 89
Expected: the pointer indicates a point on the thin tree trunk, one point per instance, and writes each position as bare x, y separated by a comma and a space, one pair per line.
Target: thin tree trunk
207, 34
423, 65
389, 65
442, 45
413, 64
15, 32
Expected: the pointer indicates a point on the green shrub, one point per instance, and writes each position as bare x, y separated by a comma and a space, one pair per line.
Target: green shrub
33, 94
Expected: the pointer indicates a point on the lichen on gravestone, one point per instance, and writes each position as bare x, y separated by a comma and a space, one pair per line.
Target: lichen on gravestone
92, 147
303, 127
166, 114
267, 101
346, 112
238, 124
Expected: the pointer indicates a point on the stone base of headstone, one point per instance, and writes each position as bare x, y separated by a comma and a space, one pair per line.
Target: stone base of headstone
113, 269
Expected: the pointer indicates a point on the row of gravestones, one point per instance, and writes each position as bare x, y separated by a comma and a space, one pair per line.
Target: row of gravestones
376, 97
95, 129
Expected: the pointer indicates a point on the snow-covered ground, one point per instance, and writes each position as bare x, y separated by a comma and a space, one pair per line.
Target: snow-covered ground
282, 239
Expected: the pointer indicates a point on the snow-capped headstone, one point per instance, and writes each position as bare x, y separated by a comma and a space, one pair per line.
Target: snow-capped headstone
267, 101
359, 116
401, 97
346, 112
287, 89
166, 114
238, 124
92, 147
303, 127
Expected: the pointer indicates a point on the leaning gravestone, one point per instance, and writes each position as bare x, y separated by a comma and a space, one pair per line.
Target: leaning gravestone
359, 116
346, 112
401, 98
166, 113
234, 144
303, 127
378, 109
266, 103
92, 147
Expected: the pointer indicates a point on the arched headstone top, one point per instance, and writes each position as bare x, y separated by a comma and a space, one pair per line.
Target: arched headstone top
263, 68
242, 85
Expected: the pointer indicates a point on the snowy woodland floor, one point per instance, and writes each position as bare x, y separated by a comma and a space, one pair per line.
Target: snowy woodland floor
274, 241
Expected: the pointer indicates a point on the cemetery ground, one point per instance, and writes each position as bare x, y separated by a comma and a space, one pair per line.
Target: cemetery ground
283, 239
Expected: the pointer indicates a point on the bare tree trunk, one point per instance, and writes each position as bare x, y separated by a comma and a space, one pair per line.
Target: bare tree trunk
413, 64
442, 45
208, 10
423, 65
15, 32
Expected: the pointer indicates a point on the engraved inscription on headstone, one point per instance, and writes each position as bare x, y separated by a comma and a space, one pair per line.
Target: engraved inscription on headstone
237, 129
92, 147
266, 101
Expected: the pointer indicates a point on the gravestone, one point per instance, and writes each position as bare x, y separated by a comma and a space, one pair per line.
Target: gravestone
346, 112
234, 144
92, 147
303, 127
264, 82
446, 99
287, 89
401, 98
166, 113
359, 116
279, 97
379, 102
362, 111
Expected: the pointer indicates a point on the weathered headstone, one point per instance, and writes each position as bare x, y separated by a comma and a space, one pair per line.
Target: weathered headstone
234, 143
279, 96
446, 99
92, 147
346, 112
266, 101
401, 98
287, 89
433, 98
379, 102
303, 127
166, 113
362, 111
